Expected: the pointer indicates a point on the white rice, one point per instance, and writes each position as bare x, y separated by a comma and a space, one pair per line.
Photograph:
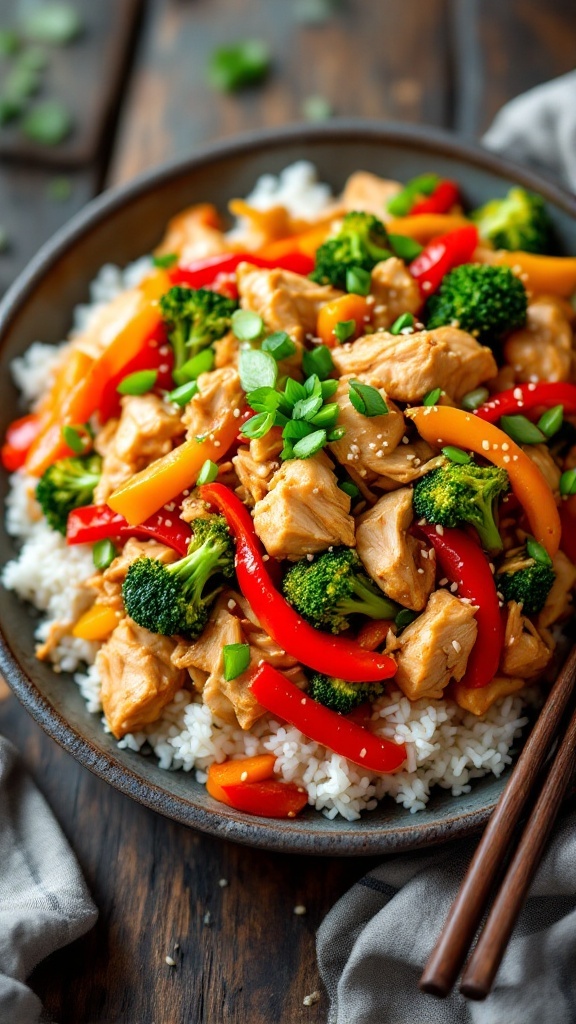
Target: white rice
446, 746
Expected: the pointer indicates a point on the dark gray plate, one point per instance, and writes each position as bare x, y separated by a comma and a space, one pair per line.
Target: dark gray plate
118, 227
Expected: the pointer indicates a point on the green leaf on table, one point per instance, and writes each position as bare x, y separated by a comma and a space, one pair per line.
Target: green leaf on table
59, 189
242, 64
9, 42
56, 23
316, 109
48, 123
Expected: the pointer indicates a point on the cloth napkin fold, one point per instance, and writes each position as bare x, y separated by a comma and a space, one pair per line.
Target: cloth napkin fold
373, 945
44, 902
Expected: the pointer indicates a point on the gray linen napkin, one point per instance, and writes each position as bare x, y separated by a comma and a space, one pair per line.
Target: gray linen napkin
44, 902
373, 945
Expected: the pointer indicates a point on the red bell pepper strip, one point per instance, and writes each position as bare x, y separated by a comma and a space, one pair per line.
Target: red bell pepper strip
441, 255
443, 198
269, 799
333, 655
90, 523
567, 512
157, 354
203, 273
524, 397
283, 698
19, 437
464, 563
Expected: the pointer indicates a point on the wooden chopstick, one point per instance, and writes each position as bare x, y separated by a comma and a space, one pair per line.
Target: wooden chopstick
450, 951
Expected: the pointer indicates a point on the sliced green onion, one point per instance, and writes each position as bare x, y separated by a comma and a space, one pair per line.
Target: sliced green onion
327, 416
22, 82
9, 42
257, 369
234, 67
208, 473
474, 399
344, 330
296, 429
537, 552
78, 438
318, 361
184, 394
316, 108
551, 421
294, 391
349, 488
329, 388
138, 383
57, 23
257, 425
521, 430
103, 553
310, 445
404, 618
165, 261
307, 408
337, 434
456, 455
279, 345
202, 362
401, 204
246, 325
568, 482
236, 660
432, 397
48, 122
34, 57
358, 281
405, 248
366, 400
403, 321
59, 189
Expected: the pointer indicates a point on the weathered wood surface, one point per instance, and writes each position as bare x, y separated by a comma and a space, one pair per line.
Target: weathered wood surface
450, 63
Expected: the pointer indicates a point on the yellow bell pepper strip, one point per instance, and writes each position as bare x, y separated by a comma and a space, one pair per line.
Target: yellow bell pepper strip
347, 307
97, 623
163, 479
551, 275
426, 226
442, 425
233, 773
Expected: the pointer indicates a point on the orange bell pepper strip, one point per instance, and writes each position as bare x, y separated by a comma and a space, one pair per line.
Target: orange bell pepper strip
347, 307
97, 623
234, 773
423, 227
306, 242
168, 476
554, 275
442, 425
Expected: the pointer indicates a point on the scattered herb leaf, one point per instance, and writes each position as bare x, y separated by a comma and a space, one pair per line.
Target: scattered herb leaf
236, 660
366, 400
103, 553
208, 473
138, 383
57, 23
240, 65
48, 122
166, 260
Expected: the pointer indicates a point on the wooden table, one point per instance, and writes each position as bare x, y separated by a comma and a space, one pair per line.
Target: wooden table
243, 956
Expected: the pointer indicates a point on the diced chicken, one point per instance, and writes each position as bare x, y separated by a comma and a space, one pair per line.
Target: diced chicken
138, 677
525, 653
434, 649
255, 466
108, 584
559, 600
541, 457
285, 301
410, 365
304, 511
478, 700
193, 234
146, 430
106, 322
542, 350
226, 351
407, 463
392, 557
193, 507
219, 395
395, 292
369, 193
367, 438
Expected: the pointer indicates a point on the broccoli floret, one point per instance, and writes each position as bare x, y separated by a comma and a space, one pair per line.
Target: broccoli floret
176, 598
67, 484
340, 696
455, 494
195, 317
333, 587
519, 221
485, 300
361, 242
528, 585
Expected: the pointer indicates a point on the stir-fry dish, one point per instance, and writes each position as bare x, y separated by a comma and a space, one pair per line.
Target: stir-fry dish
298, 498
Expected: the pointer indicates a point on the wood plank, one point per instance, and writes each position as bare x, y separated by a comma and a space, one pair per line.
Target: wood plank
503, 49
362, 61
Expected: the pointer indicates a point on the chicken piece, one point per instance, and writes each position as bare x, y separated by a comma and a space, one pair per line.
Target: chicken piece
108, 584
255, 466
434, 648
407, 463
285, 301
395, 292
541, 457
226, 351
369, 193
138, 677
107, 321
559, 601
193, 234
542, 350
525, 653
214, 404
193, 508
392, 557
410, 365
304, 511
367, 438
145, 431
478, 700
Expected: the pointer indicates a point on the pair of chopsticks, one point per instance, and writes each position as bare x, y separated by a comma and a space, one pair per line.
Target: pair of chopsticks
467, 911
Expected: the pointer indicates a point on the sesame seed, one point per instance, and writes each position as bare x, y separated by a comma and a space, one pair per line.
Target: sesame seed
231, 604
379, 454
505, 446
443, 581
265, 558
217, 444
457, 647
421, 571
300, 910
167, 522
243, 776
424, 553
222, 882
363, 752
453, 588
291, 814
517, 392
426, 286
236, 414
439, 529
405, 439
506, 458
486, 446
309, 1000
303, 701
310, 558
170, 961
410, 456
531, 387
186, 493
207, 917
495, 446
315, 490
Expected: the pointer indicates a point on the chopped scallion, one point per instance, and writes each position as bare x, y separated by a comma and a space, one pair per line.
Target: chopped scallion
474, 399
184, 394
432, 397
349, 488
78, 438
103, 553
344, 330
208, 473
551, 421
138, 383
202, 362
366, 400
166, 260
537, 552
309, 445
257, 369
319, 361
522, 430
358, 281
403, 321
568, 482
236, 660
246, 325
405, 248
456, 455
279, 345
